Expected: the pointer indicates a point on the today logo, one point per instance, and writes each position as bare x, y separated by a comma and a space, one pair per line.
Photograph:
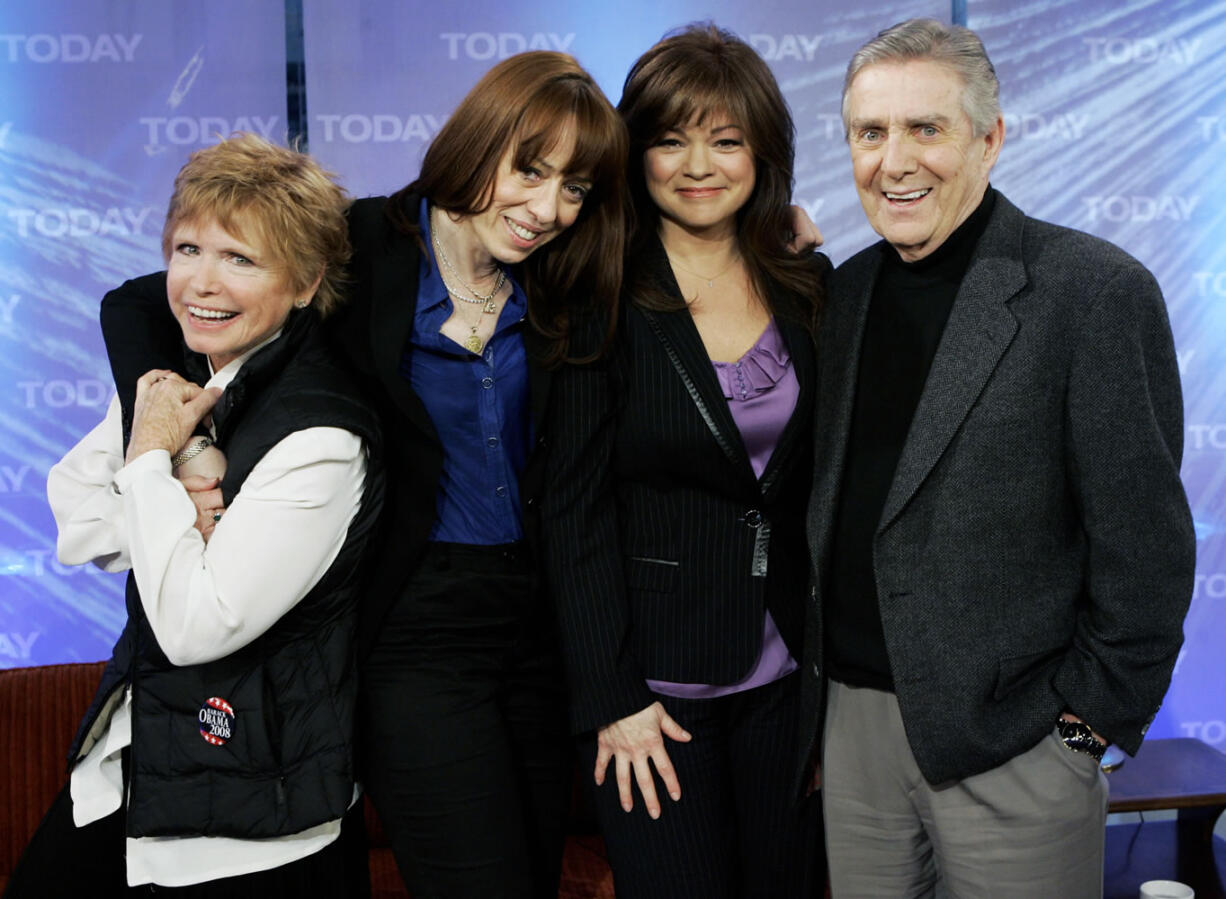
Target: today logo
45, 48
1119, 51
1034, 126
183, 130
1207, 437
1212, 127
80, 222
1210, 284
17, 645
61, 393
1209, 731
7, 305
832, 125
800, 47
1140, 209
487, 45
360, 129
12, 477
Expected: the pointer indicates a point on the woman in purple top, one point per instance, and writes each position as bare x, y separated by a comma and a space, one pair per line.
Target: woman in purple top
679, 470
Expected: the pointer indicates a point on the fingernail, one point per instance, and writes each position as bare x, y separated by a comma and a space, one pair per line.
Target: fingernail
675, 796
654, 812
625, 807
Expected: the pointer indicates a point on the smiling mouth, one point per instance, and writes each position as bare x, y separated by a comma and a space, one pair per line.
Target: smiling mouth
525, 234
905, 199
210, 315
698, 193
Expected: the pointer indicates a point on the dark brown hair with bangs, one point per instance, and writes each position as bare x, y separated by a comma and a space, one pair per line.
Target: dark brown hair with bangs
525, 105
687, 77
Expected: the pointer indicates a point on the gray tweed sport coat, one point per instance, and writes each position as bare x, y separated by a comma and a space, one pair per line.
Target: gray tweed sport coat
1036, 550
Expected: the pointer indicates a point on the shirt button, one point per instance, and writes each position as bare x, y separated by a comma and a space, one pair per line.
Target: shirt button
500, 491
487, 383
491, 441
753, 518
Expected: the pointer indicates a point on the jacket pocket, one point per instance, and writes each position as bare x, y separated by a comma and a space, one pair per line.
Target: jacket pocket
1015, 671
651, 574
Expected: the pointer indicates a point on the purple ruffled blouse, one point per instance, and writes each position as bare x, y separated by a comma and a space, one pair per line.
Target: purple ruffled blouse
761, 390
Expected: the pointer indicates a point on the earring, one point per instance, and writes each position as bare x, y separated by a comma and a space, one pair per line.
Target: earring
302, 304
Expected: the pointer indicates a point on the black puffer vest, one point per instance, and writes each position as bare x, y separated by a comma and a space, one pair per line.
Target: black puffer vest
258, 743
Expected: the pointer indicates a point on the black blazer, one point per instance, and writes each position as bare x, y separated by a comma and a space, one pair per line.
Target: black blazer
663, 550
371, 331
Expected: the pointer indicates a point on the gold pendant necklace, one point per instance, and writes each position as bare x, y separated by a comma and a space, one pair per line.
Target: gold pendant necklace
473, 342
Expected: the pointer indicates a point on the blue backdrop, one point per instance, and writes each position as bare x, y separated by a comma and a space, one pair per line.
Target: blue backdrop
1116, 118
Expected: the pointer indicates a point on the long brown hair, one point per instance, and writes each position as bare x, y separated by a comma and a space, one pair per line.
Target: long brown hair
686, 77
524, 105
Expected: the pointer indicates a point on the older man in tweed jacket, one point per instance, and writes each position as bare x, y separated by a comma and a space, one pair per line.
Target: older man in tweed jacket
1003, 552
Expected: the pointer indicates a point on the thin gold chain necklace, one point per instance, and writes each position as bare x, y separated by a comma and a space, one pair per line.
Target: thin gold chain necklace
711, 280
486, 301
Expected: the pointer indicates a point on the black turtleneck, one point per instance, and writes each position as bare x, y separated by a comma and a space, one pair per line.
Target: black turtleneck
910, 304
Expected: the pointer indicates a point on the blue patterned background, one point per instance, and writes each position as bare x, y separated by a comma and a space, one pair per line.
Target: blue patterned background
1116, 117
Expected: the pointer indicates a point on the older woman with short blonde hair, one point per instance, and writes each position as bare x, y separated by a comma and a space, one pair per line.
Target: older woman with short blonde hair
218, 754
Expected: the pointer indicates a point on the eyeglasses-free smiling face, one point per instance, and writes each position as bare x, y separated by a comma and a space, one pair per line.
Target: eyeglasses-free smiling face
918, 166
227, 294
701, 174
531, 206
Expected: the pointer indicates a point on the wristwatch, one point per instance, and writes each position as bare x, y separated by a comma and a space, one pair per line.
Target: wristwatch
1078, 737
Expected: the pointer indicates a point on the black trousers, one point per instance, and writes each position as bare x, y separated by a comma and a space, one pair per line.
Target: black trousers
463, 728
63, 861
737, 830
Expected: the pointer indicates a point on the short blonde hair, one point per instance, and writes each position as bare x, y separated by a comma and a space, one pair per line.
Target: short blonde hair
280, 199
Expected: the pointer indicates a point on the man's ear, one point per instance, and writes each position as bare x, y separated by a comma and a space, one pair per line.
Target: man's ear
993, 141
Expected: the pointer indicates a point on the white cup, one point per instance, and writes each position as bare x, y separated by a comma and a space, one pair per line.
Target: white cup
1166, 889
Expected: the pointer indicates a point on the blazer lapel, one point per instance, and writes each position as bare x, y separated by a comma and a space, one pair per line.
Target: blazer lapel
539, 377
800, 348
839, 341
393, 305
979, 330
685, 350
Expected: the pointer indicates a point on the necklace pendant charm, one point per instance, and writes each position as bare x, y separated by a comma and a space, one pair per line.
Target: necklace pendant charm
711, 283
473, 344
490, 306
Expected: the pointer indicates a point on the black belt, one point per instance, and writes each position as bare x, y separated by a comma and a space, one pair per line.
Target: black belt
506, 558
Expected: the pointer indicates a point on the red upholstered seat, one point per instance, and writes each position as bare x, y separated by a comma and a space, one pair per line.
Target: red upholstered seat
40, 708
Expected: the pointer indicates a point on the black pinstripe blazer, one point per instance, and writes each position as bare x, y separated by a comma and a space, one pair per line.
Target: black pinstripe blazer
662, 548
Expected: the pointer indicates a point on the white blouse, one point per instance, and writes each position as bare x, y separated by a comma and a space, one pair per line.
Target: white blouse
275, 541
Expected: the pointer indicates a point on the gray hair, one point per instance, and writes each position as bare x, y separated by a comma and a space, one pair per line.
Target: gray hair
950, 45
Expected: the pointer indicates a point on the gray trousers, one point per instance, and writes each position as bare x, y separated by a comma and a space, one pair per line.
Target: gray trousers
1032, 827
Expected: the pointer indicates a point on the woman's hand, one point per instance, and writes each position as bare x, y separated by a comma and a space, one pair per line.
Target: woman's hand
633, 740
815, 780
805, 237
166, 411
206, 497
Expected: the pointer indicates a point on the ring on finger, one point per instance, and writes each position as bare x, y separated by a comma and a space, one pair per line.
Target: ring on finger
216, 516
